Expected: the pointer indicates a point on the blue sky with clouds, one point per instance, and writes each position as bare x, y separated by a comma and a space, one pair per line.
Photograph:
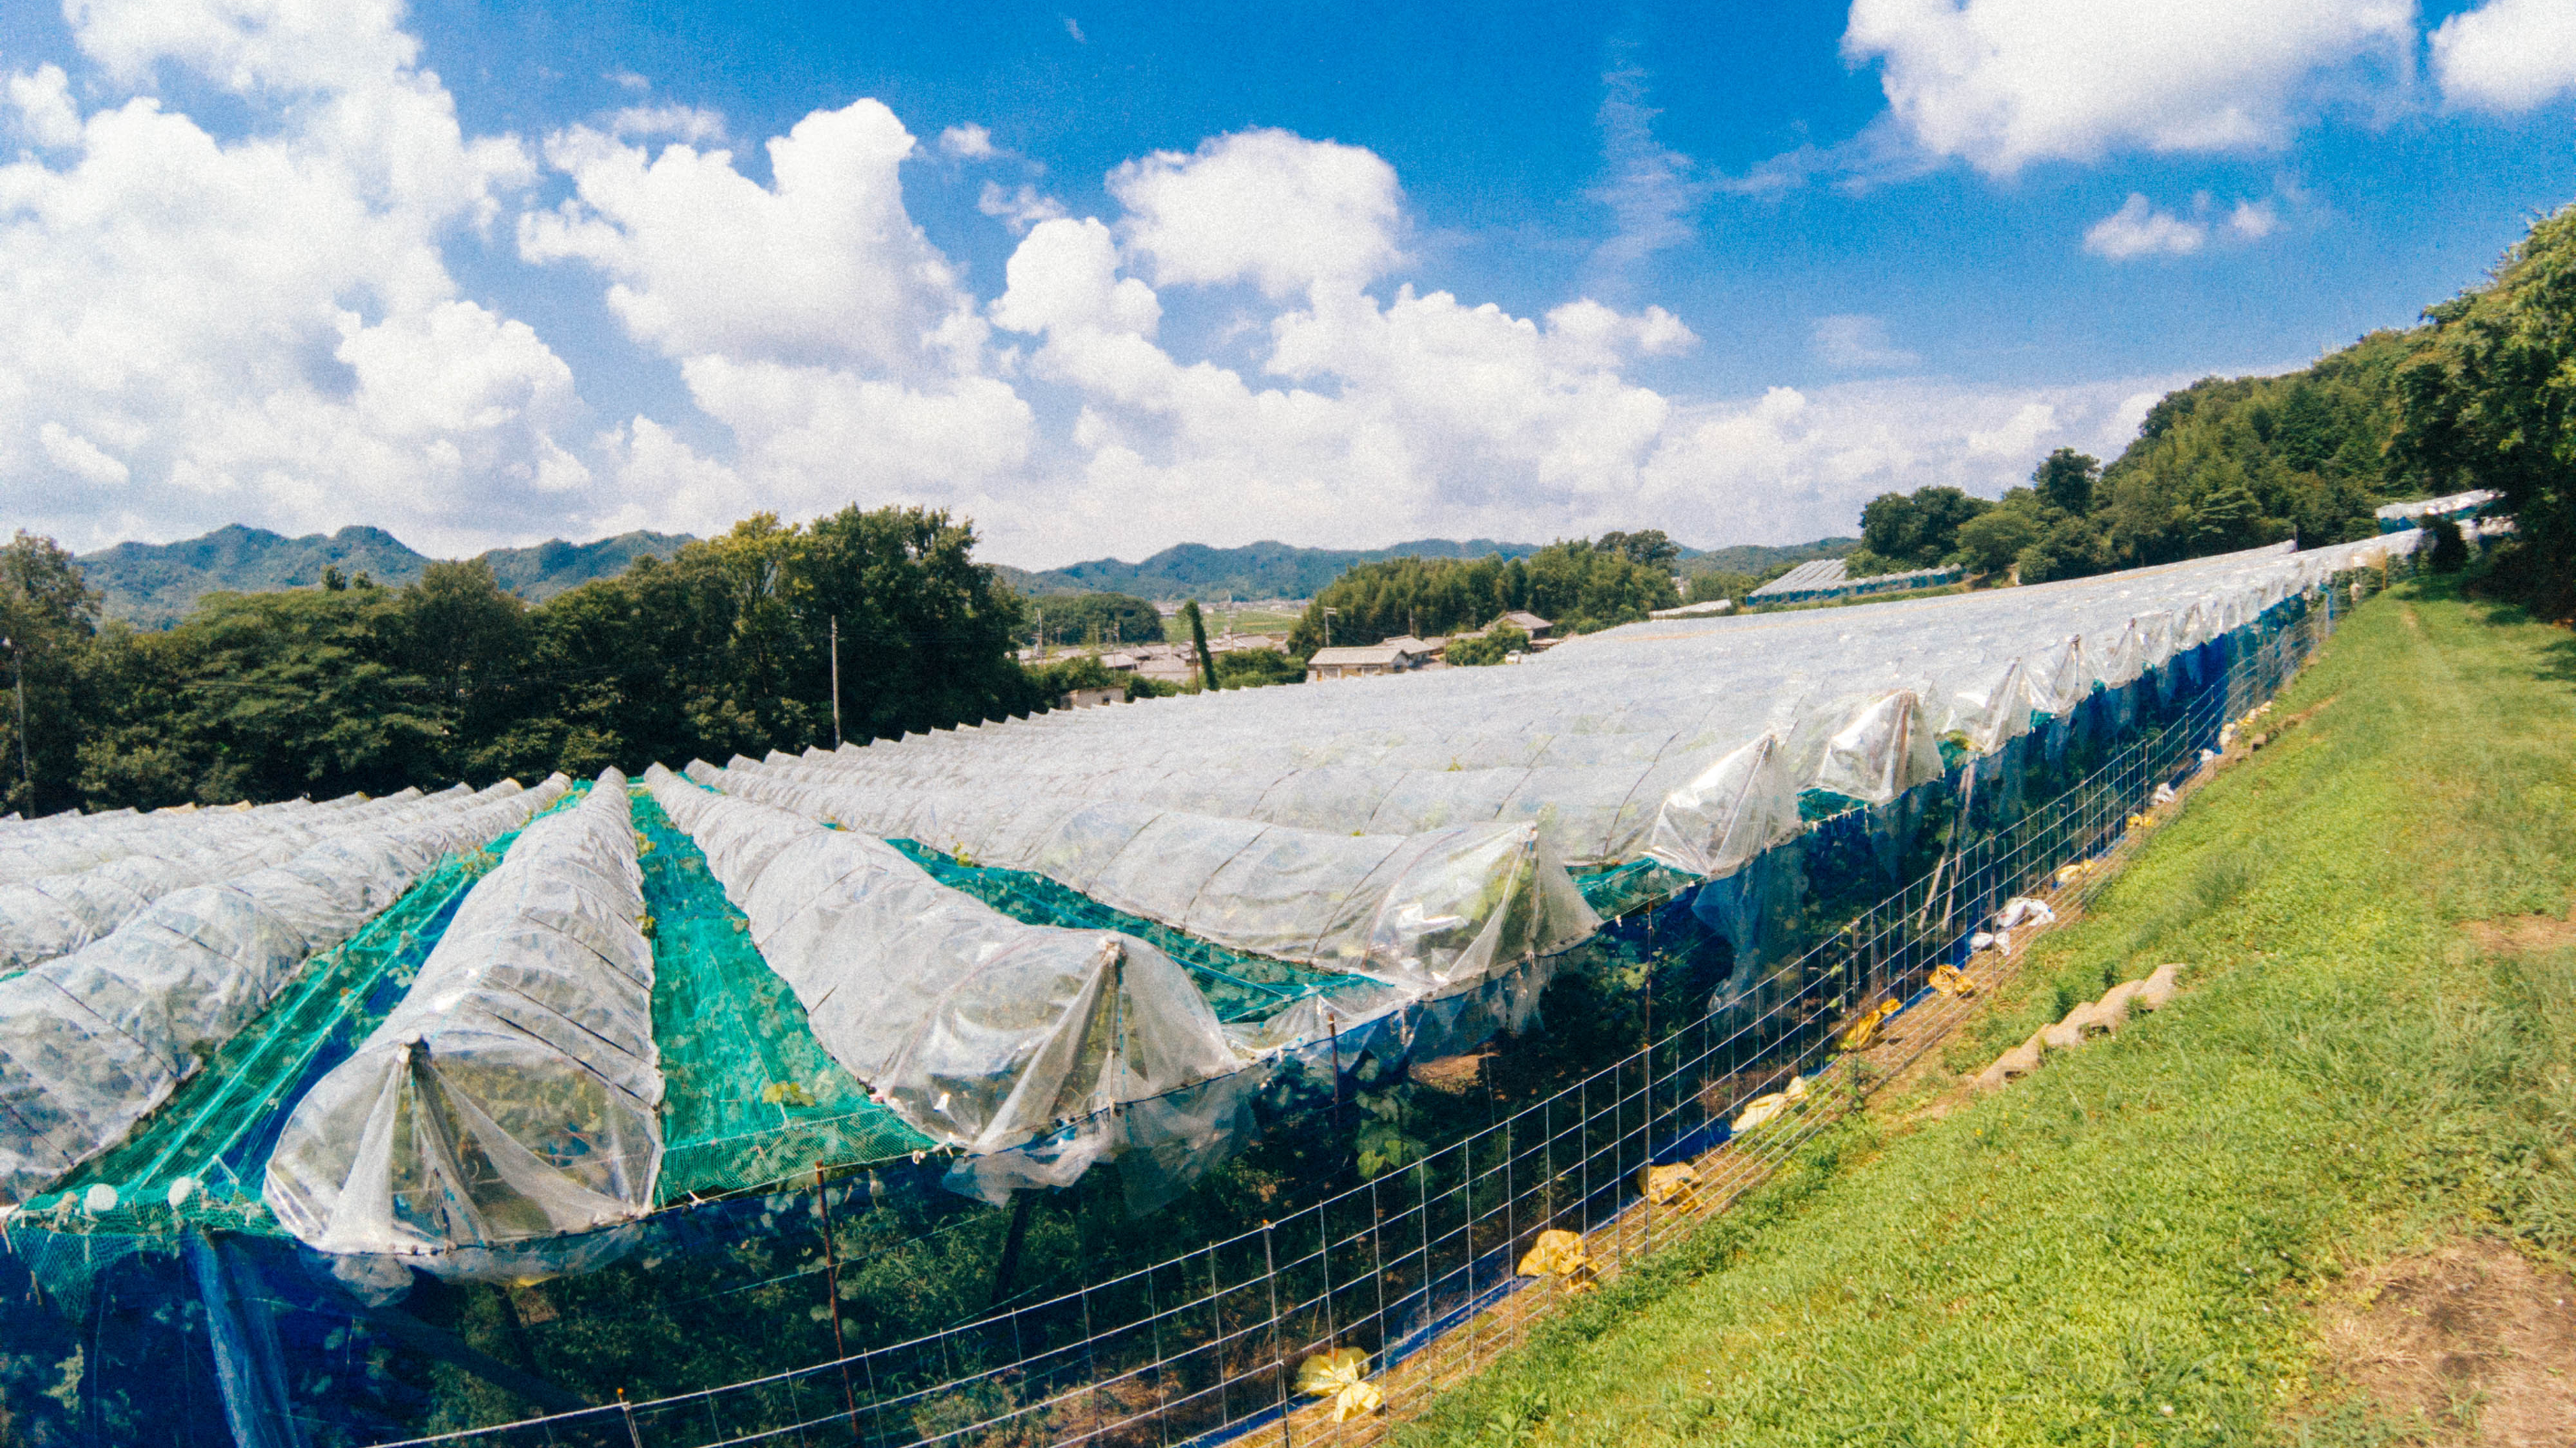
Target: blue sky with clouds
1110, 278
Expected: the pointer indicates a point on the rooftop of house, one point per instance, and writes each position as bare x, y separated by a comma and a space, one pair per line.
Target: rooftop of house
1384, 653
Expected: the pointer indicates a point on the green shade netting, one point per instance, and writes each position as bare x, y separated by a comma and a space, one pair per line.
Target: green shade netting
198, 1160
749, 1096
1238, 987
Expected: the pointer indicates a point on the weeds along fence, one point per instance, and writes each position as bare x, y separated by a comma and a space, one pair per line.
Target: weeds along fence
1417, 1266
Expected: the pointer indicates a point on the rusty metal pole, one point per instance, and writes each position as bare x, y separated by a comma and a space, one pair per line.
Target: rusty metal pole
832, 1291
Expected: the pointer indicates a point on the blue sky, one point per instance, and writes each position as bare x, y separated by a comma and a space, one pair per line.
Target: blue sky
1111, 278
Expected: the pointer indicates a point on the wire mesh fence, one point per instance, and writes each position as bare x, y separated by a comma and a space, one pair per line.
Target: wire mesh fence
1419, 1267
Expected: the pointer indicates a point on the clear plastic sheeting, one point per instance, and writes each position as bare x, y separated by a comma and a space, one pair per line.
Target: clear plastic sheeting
1740, 806
1426, 913
513, 1095
1874, 751
982, 1032
1615, 745
92, 1041
58, 914
69, 844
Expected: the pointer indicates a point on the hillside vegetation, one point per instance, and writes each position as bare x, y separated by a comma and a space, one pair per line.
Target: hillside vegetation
1277, 570
2372, 1053
1578, 586
2480, 395
155, 584
357, 685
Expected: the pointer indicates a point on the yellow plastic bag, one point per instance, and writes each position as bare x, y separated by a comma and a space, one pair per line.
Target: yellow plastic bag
1949, 980
1341, 1374
1665, 1185
1762, 1108
1863, 1031
1556, 1253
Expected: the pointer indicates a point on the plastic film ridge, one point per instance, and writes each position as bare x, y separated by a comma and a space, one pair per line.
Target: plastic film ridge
92, 1041
980, 1031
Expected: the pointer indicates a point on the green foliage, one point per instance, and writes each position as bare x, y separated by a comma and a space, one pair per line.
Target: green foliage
2450, 552
2221, 465
1257, 668
1920, 530
1647, 548
722, 648
2136, 1228
1720, 583
2489, 399
49, 615
1490, 647
267, 696
1051, 681
1092, 619
1578, 586
2065, 478
1993, 541
1198, 641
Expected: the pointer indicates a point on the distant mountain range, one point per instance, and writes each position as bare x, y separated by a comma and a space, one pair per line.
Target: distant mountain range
1255, 570
153, 584
1278, 570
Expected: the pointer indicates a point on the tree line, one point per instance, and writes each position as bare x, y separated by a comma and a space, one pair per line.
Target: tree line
1579, 586
2475, 396
725, 648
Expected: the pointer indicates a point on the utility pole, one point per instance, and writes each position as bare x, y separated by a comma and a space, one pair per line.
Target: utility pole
1328, 626
836, 681
18, 668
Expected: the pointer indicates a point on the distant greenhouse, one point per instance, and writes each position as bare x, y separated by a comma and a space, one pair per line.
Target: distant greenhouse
1831, 578
2397, 517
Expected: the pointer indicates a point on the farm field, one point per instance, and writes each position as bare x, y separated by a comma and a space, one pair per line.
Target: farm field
1222, 616
2326, 1197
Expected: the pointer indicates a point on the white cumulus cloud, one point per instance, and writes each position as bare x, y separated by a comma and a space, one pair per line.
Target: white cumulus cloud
687, 123
1264, 206
1020, 209
823, 263
262, 327
42, 98
2254, 220
203, 331
2139, 228
968, 142
2004, 83
2507, 55
80, 457
811, 319
1799, 464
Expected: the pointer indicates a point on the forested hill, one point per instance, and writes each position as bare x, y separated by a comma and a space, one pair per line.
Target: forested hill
1255, 570
2224, 464
155, 584
1278, 570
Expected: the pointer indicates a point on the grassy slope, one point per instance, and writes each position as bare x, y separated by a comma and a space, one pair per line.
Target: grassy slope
2133, 1230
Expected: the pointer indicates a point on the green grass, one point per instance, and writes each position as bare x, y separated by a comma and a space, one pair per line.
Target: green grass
1221, 617
2119, 1249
